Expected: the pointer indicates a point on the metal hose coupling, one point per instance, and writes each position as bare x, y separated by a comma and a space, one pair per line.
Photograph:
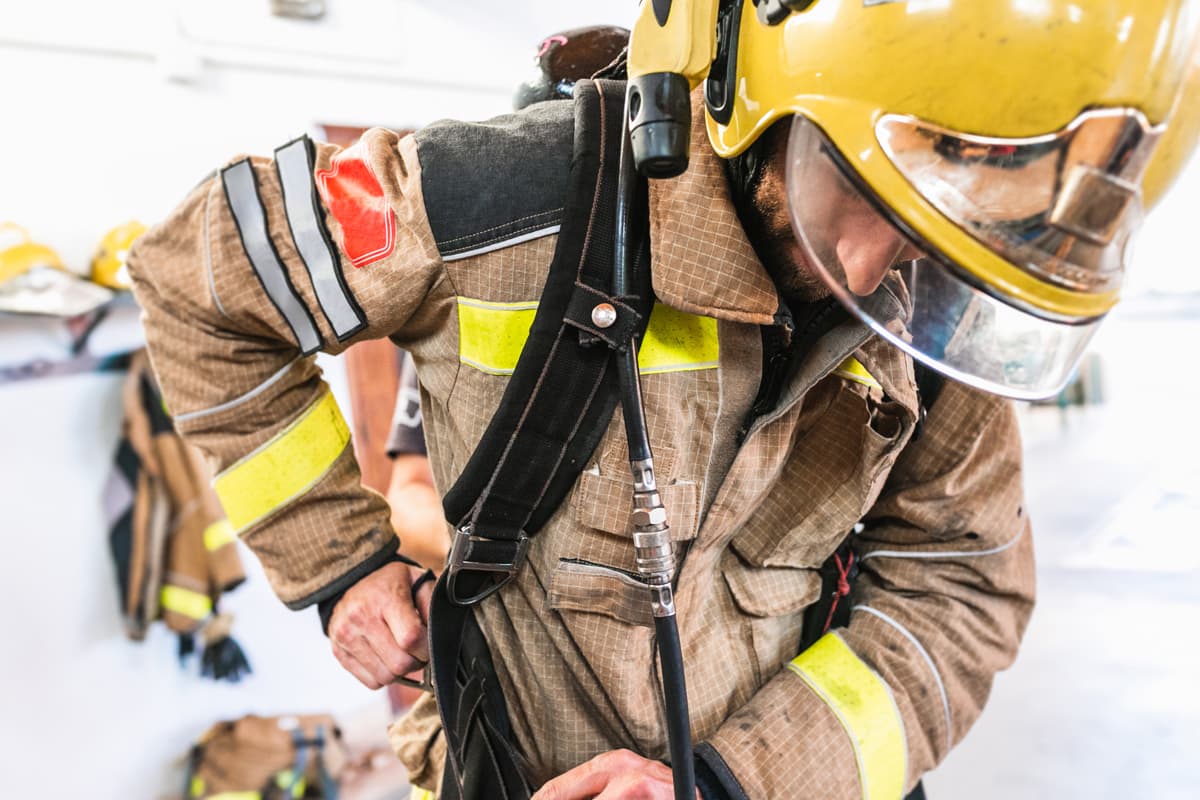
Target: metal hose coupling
652, 538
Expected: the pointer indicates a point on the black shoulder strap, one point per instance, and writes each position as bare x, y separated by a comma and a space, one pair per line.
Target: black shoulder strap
555, 409
562, 394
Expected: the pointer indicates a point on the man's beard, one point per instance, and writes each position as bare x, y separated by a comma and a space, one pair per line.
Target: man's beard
778, 248
768, 225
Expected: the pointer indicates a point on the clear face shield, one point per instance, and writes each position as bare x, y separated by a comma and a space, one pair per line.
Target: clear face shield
1061, 209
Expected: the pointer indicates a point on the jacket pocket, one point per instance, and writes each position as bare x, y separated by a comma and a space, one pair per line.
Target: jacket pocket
833, 475
579, 585
772, 601
606, 613
605, 503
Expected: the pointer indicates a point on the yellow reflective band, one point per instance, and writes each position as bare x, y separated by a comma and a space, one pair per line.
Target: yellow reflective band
864, 705
196, 789
219, 534
492, 335
417, 793
193, 605
852, 370
676, 341
285, 467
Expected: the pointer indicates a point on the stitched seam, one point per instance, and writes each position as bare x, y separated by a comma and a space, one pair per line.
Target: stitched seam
492, 245
503, 225
937, 676
208, 265
945, 554
237, 401
488, 241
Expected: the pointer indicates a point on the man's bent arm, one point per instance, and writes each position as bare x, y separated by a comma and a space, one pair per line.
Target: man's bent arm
945, 592
265, 263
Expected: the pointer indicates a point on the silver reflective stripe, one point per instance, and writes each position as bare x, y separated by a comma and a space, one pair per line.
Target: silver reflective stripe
937, 676
294, 161
241, 191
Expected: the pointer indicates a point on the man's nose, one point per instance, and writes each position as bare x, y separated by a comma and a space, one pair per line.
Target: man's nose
869, 251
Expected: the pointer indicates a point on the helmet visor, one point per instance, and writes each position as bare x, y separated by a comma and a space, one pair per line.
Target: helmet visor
1061, 208
911, 294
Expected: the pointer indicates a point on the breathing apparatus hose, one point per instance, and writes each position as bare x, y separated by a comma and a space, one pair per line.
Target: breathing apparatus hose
654, 554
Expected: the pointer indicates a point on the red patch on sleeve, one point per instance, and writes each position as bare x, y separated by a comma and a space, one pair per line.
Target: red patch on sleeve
355, 199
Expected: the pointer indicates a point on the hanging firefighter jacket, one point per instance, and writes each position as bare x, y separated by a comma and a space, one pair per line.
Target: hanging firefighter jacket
174, 551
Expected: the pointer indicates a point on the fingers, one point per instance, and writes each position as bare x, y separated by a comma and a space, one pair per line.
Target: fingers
375, 632
579, 783
352, 665
638, 786
406, 629
650, 780
593, 777
391, 647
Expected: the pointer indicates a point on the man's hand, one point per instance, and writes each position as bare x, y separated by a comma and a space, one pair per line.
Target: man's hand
375, 631
615, 775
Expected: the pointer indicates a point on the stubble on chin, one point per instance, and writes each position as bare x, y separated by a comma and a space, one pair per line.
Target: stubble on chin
771, 229
780, 250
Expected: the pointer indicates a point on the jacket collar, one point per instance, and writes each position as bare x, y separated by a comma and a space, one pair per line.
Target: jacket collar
702, 261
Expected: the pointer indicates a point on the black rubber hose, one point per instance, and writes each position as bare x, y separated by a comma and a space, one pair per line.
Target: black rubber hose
679, 735
627, 372
683, 765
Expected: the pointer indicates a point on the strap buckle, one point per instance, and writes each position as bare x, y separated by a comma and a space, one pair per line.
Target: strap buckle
425, 684
500, 558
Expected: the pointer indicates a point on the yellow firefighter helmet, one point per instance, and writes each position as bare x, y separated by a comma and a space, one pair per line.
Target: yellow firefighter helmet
108, 264
1012, 148
34, 280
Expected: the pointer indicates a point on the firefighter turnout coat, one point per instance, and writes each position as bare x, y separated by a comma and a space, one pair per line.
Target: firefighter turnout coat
441, 241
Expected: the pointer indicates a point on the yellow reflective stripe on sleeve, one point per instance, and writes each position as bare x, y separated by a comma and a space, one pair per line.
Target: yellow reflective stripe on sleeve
417, 793
219, 534
852, 370
190, 604
285, 467
864, 705
492, 335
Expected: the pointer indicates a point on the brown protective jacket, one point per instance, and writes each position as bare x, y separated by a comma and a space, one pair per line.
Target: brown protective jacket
182, 554
469, 229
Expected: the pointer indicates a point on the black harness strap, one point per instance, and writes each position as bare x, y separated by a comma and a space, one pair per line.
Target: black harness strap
552, 416
562, 394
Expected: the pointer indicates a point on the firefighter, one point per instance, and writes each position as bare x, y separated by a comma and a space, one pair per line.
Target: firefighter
948, 172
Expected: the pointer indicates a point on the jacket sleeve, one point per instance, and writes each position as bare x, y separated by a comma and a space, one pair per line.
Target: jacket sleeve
945, 591
264, 264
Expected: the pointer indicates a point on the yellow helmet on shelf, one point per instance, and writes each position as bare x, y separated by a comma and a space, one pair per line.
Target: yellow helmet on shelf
34, 280
1013, 147
108, 264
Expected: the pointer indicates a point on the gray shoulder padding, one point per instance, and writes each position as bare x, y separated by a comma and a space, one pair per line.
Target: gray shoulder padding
495, 183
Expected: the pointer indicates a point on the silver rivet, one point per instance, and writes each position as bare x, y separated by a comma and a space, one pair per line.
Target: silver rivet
604, 315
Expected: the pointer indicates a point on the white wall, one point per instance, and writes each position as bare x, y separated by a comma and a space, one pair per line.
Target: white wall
95, 130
